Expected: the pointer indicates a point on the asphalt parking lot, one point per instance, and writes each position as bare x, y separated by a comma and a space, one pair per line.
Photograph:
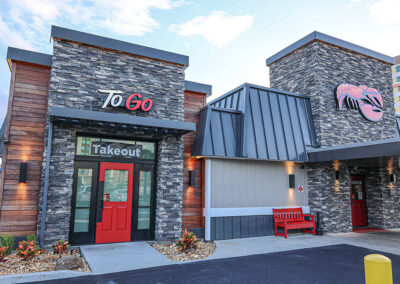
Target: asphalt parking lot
328, 264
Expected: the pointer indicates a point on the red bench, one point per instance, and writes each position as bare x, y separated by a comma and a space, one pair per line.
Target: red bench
292, 218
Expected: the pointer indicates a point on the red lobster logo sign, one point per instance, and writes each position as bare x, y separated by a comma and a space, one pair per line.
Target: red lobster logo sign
368, 101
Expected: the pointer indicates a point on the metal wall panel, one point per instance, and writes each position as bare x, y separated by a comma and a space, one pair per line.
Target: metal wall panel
245, 183
225, 228
277, 125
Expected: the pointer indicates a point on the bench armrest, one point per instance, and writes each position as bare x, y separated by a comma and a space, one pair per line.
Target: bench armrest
311, 216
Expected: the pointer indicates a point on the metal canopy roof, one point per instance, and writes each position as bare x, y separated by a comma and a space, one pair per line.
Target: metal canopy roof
331, 40
95, 40
72, 116
255, 122
379, 148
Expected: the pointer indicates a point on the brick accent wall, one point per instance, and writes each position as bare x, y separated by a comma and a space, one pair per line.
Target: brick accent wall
77, 73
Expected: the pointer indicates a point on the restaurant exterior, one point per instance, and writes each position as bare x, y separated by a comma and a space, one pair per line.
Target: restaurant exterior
105, 141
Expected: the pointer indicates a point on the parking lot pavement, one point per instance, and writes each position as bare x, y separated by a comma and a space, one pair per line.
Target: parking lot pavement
329, 264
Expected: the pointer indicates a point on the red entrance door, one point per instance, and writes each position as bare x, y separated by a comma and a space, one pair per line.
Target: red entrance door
358, 201
116, 180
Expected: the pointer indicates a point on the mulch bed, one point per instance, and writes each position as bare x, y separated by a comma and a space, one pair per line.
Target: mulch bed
170, 250
43, 262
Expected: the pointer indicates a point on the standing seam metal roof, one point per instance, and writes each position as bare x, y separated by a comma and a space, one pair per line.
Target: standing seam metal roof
257, 123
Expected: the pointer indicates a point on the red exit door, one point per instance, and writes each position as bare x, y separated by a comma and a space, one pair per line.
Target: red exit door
115, 204
358, 201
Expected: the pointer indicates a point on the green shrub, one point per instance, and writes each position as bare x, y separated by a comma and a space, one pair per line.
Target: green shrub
31, 237
7, 241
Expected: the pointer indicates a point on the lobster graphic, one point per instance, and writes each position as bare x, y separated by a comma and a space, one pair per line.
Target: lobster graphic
368, 101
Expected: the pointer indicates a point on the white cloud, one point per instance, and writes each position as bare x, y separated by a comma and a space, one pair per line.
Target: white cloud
28, 21
385, 11
217, 28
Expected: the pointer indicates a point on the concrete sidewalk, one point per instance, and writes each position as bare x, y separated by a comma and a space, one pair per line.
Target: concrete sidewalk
109, 258
118, 257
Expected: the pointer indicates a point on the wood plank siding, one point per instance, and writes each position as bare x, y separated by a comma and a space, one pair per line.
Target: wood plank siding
192, 207
25, 128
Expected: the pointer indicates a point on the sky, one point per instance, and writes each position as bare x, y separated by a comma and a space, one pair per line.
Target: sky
227, 41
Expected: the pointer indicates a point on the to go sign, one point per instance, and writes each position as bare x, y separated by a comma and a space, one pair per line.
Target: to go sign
133, 102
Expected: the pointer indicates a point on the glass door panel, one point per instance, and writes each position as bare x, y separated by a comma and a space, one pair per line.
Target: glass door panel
143, 223
83, 201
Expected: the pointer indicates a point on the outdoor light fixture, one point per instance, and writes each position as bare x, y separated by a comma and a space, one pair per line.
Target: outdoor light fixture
291, 181
392, 178
22, 172
192, 178
337, 175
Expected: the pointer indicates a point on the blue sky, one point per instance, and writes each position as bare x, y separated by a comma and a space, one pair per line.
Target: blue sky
227, 41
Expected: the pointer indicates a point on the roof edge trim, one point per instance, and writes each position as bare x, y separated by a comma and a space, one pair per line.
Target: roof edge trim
28, 56
331, 40
198, 87
114, 44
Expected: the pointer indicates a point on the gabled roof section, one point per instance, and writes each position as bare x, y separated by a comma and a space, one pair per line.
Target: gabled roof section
266, 124
331, 40
27, 56
118, 45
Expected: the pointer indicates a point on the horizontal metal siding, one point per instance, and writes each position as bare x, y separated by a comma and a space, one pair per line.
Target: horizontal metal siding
244, 183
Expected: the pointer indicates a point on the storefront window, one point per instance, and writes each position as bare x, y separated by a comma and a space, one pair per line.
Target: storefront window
103, 147
144, 200
82, 201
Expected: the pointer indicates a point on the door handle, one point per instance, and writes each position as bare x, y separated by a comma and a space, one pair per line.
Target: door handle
100, 204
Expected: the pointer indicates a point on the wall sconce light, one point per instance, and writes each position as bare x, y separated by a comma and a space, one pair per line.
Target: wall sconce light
337, 175
22, 172
192, 178
292, 182
392, 178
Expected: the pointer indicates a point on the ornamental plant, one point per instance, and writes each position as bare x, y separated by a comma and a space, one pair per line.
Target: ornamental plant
28, 250
8, 242
187, 242
60, 247
3, 253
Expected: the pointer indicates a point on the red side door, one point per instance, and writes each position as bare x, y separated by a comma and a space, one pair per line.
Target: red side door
358, 201
115, 204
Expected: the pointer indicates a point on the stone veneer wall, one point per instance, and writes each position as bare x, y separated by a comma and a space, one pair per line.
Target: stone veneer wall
316, 70
78, 71
329, 197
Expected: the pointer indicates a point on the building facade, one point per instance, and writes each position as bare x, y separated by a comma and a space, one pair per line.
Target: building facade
100, 128
396, 84
105, 141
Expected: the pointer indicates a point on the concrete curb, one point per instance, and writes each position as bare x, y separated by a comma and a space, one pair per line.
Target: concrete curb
40, 276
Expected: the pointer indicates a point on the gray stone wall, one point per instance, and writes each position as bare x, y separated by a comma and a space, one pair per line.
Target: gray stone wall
316, 70
329, 197
77, 72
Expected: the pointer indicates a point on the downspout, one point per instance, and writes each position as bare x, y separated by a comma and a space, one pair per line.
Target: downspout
46, 184
207, 200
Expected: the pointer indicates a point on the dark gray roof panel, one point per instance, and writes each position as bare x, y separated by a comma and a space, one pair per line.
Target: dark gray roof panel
81, 114
28, 56
332, 40
398, 124
218, 133
379, 148
276, 125
95, 40
198, 87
